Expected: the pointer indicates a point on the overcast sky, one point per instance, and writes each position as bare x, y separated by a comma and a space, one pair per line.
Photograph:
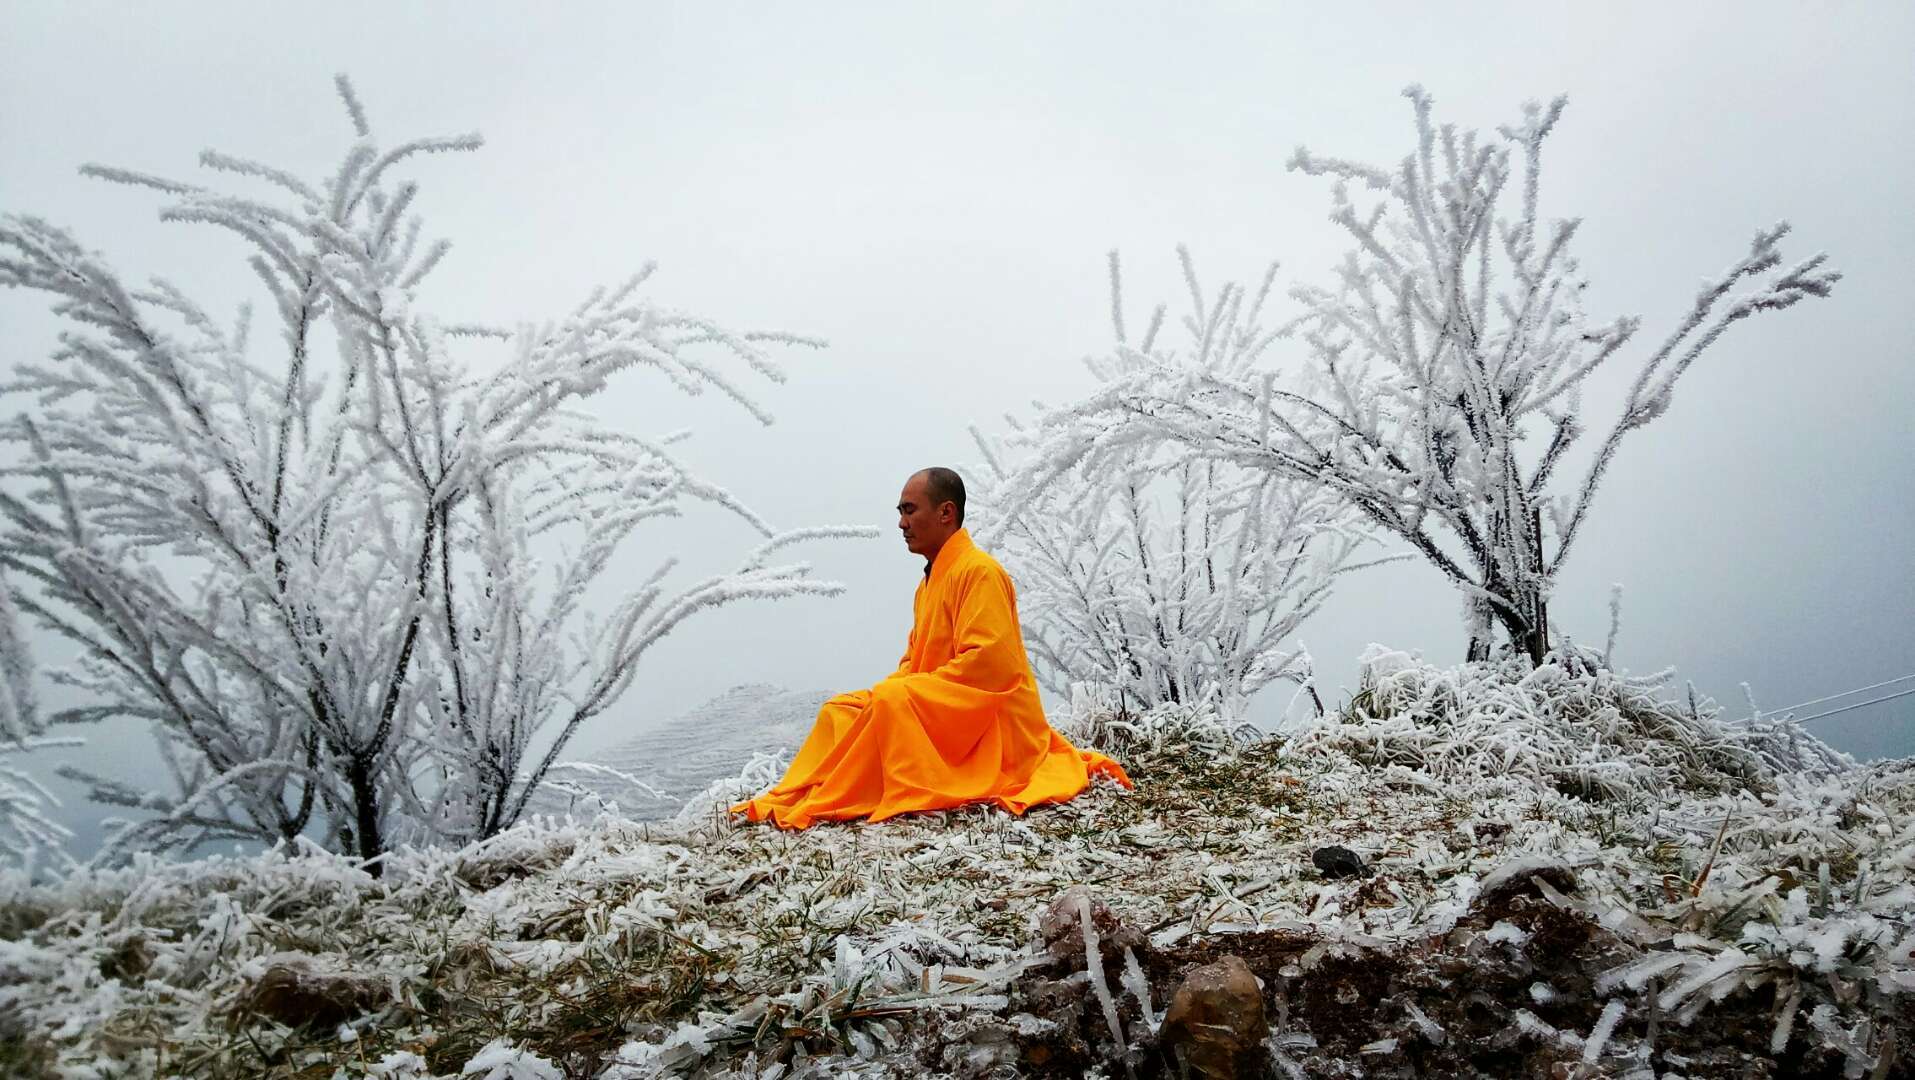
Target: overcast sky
934, 190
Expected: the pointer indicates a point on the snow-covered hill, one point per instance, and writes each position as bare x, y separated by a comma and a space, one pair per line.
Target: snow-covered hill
1563, 876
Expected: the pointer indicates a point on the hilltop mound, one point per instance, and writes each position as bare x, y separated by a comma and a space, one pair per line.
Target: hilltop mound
1705, 912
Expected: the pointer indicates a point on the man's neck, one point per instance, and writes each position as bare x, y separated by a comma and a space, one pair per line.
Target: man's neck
931, 557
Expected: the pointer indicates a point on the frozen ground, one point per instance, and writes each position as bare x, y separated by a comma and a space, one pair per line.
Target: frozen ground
1571, 877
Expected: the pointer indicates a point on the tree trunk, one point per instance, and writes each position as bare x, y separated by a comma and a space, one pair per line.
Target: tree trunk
1536, 640
1478, 649
1524, 615
365, 800
1476, 618
1529, 635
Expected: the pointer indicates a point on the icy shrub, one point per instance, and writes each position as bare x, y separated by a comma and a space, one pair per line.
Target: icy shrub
29, 836
1568, 724
1433, 377
351, 568
1100, 719
1160, 571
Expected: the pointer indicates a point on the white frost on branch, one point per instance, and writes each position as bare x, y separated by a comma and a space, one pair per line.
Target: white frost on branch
1569, 726
19, 708
347, 570
1150, 567
1439, 371
28, 832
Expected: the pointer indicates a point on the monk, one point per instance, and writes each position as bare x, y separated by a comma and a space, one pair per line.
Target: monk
959, 721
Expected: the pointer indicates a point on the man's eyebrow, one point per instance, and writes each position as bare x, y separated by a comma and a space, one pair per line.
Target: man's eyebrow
905, 507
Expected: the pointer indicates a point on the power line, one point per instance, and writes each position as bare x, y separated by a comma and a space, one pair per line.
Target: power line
1859, 704
1843, 694
1833, 697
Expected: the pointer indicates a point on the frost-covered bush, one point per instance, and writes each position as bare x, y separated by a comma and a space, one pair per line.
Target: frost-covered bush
1742, 865
1438, 371
1100, 718
343, 566
19, 707
1570, 725
1159, 571
27, 834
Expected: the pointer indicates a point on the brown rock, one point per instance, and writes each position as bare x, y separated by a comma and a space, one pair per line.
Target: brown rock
1061, 929
1216, 1021
297, 998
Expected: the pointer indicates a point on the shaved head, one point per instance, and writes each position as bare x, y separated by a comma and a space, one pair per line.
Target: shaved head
930, 510
944, 485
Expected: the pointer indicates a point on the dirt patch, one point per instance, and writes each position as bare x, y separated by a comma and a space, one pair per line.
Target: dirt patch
1510, 992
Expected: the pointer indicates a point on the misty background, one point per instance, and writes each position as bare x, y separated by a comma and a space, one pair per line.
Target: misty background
934, 192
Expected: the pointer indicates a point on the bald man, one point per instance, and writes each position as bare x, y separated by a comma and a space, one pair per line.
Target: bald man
959, 720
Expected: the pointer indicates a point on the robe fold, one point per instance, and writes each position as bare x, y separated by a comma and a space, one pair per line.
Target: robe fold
958, 722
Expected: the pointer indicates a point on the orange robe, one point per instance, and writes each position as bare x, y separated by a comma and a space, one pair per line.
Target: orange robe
958, 722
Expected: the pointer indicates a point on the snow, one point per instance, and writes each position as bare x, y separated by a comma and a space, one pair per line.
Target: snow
868, 931
500, 1060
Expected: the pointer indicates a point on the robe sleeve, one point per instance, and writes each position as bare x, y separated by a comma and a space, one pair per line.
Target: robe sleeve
984, 640
904, 665
910, 645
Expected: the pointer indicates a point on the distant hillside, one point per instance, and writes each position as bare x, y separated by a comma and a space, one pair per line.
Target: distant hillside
685, 755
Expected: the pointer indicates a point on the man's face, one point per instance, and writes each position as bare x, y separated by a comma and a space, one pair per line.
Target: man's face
925, 527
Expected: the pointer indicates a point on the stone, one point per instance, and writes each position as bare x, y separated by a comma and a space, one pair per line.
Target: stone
1216, 1022
296, 997
1060, 929
1339, 862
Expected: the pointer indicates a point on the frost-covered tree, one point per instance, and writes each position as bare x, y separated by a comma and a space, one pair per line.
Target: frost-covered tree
27, 832
344, 570
19, 706
1441, 369
1156, 570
